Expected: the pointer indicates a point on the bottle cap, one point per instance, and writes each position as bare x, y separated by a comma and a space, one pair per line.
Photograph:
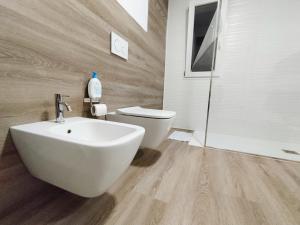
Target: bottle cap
94, 74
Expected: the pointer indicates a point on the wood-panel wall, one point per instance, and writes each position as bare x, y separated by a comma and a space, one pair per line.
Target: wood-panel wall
49, 47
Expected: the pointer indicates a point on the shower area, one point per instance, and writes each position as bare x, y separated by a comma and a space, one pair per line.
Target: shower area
233, 74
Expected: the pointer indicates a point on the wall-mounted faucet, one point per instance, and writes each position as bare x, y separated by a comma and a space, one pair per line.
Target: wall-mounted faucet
59, 107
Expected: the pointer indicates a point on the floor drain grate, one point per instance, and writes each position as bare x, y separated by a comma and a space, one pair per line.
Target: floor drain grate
290, 152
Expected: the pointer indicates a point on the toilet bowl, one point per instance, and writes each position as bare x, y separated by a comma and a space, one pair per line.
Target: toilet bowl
157, 123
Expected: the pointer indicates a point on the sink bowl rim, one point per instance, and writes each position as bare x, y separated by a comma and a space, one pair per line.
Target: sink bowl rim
47, 126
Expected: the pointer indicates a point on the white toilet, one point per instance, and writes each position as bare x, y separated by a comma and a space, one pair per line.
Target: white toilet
157, 123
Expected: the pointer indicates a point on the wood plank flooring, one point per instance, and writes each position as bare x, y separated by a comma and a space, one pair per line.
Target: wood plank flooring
179, 185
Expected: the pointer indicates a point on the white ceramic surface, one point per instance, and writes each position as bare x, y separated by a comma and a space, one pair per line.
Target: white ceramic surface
156, 129
144, 112
83, 156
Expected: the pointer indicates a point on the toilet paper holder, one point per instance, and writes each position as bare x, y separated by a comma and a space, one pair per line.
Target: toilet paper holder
95, 100
93, 103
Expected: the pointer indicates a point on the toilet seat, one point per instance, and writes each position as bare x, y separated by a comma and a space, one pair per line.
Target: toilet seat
147, 113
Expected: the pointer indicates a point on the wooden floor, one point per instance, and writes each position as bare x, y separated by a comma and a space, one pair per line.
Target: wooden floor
179, 185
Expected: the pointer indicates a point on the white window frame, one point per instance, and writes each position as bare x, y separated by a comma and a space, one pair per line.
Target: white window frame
190, 32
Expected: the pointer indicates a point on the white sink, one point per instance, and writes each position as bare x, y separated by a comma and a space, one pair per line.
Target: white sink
83, 156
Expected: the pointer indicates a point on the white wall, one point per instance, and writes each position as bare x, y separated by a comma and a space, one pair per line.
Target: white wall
258, 94
188, 97
138, 9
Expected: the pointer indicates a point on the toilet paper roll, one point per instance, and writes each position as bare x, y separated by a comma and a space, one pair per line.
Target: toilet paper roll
99, 109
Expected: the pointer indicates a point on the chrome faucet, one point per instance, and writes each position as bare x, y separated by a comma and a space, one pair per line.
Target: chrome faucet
59, 107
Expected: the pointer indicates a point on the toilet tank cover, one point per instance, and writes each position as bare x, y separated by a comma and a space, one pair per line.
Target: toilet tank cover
143, 112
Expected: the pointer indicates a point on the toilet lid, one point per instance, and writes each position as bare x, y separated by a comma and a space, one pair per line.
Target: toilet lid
149, 113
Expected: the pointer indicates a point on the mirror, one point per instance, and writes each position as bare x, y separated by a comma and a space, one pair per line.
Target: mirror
201, 38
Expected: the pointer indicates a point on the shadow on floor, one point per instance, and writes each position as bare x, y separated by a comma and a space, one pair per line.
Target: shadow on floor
8, 146
73, 209
146, 157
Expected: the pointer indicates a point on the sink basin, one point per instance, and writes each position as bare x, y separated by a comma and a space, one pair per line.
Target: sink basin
83, 156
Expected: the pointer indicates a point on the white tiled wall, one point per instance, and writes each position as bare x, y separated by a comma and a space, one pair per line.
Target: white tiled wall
188, 97
258, 93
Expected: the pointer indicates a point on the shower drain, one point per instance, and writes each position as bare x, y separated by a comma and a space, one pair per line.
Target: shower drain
290, 152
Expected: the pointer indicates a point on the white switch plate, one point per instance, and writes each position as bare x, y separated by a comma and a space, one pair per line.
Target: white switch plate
119, 46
